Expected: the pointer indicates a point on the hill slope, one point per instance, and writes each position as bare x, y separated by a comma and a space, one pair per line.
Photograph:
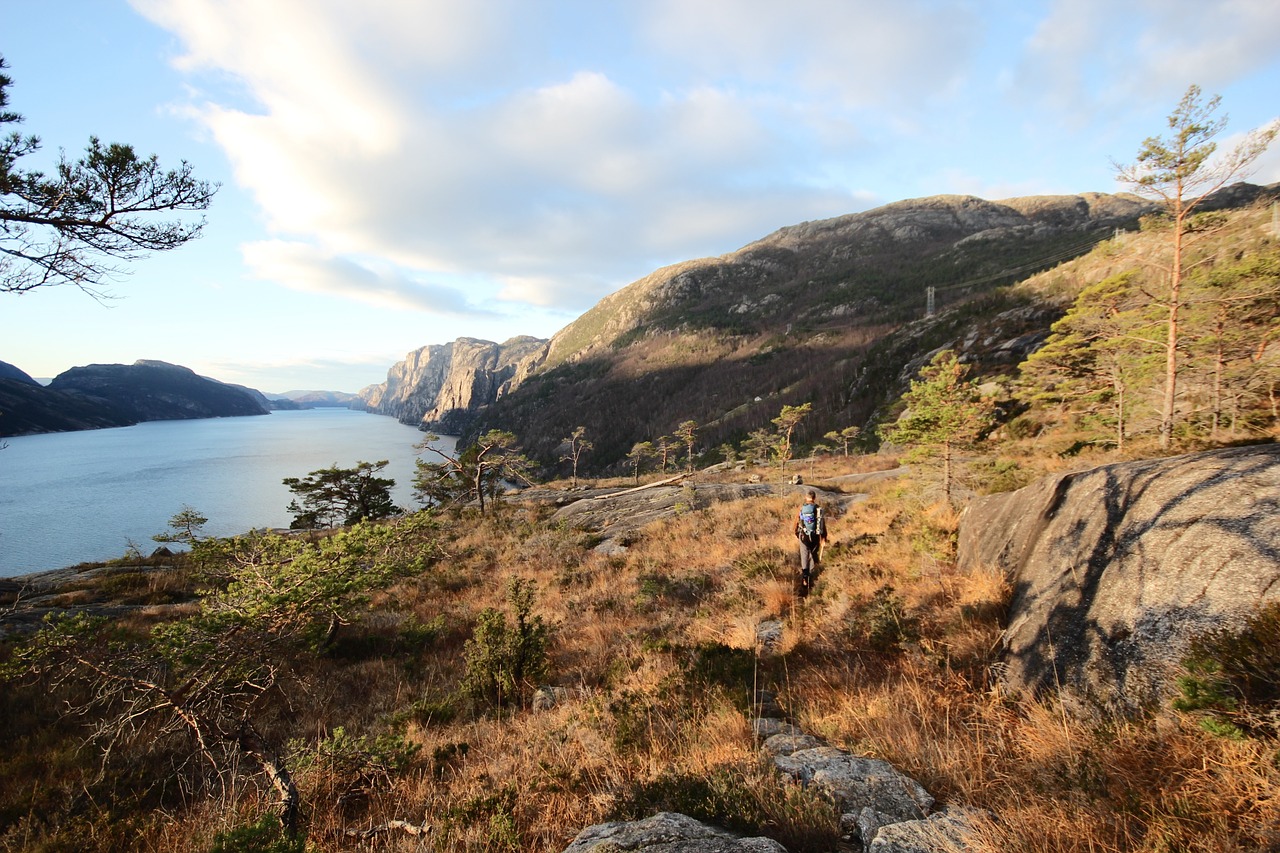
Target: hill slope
790, 318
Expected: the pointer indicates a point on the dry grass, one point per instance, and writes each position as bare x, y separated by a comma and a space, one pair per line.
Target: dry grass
656, 648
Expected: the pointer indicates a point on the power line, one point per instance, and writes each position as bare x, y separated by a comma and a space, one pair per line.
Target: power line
1038, 263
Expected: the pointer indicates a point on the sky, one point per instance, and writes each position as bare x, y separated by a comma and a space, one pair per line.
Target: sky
399, 173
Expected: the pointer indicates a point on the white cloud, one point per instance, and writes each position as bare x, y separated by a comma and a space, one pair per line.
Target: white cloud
558, 152
1095, 60
302, 267
862, 52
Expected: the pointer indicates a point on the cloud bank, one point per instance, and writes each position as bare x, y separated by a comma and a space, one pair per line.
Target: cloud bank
547, 153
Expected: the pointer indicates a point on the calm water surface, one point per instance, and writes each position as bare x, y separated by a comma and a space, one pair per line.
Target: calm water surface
72, 497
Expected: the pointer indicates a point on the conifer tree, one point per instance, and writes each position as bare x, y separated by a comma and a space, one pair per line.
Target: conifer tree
843, 438
474, 474
1097, 355
945, 412
334, 496
573, 446
68, 227
1180, 171
686, 435
786, 422
639, 452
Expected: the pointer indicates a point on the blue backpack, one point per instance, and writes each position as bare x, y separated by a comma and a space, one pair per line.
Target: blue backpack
811, 524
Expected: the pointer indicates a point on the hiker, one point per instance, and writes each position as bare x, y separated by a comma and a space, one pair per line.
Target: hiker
811, 531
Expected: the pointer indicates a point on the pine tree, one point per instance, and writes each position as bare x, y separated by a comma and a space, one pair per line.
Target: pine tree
945, 412
1093, 362
1180, 171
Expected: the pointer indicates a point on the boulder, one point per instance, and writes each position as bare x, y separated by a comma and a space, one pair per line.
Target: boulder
1116, 569
948, 829
767, 727
789, 744
667, 832
855, 783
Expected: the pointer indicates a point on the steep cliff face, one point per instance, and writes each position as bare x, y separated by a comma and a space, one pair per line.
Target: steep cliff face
1117, 568
443, 387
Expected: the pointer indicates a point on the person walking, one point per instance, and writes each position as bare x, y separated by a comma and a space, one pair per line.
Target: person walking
811, 531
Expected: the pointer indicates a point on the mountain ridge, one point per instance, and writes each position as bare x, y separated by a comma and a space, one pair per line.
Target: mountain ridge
845, 272
109, 395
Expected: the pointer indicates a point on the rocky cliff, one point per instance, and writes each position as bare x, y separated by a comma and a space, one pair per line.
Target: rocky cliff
1116, 569
443, 387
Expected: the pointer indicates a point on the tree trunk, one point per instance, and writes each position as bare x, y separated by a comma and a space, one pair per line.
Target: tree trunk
946, 471
1171, 341
1168, 407
279, 777
1118, 384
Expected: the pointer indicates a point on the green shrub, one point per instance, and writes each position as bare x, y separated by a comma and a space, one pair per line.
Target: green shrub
1233, 678
995, 475
353, 766
885, 623
503, 661
266, 835
718, 665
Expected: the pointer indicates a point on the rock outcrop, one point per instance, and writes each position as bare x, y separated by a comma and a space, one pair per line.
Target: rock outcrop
1117, 568
667, 832
443, 387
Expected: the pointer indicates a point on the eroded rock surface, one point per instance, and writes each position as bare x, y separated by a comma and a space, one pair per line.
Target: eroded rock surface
1117, 568
667, 832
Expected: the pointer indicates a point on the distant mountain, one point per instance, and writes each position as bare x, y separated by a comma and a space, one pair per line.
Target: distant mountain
8, 371
318, 399
28, 408
105, 395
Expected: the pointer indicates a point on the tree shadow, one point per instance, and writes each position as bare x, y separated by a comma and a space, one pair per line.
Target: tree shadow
1208, 511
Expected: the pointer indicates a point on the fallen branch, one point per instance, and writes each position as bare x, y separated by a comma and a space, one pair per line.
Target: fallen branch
665, 482
390, 826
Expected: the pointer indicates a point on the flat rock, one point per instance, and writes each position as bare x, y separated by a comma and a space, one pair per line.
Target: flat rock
667, 832
855, 782
948, 829
789, 744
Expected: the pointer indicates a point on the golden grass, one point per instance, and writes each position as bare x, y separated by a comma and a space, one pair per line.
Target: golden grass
648, 698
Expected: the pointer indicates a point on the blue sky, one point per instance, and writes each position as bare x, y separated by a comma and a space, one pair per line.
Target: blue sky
397, 173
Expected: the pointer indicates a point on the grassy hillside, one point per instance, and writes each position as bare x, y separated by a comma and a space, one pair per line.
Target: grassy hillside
656, 663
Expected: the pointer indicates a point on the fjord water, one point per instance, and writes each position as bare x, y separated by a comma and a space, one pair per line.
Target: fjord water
73, 497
